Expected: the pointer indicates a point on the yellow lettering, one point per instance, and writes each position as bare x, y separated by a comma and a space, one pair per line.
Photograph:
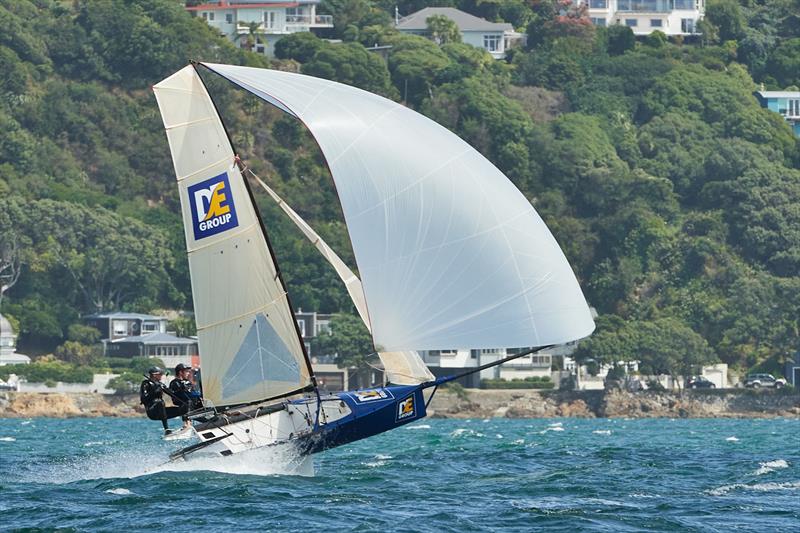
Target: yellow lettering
216, 208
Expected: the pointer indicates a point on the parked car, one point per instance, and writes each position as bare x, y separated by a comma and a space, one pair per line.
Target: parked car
755, 381
699, 382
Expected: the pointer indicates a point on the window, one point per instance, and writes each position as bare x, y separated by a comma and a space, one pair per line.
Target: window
450, 353
631, 23
687, 25
598, 21
302, 324
794, 108
491, 43
229, 18
120, 327
204, 15
598, 4
211, 15
655, 23
270, 19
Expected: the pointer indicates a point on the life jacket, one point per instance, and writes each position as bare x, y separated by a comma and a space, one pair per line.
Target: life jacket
150, 393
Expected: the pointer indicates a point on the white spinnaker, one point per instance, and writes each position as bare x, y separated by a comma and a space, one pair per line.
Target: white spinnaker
402, 368
450, 253
249, 346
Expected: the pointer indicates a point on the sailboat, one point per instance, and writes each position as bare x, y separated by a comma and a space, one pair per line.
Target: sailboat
449, 253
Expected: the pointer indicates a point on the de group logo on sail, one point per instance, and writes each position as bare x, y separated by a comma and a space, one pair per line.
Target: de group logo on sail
212, 207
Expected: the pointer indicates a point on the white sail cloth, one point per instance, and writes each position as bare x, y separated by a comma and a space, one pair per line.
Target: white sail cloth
401, 368
249, 345
450, 253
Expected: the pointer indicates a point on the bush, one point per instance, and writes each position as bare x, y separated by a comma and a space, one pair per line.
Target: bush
49, 371
527, 383
126, 383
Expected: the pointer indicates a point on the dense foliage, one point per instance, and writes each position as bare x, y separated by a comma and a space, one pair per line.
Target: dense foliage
673, 193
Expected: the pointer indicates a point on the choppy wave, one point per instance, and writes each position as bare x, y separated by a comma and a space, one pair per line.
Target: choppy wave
757, 487
7, 439
770, 466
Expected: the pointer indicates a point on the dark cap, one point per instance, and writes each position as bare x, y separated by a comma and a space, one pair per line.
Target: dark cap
155, 370
181, 366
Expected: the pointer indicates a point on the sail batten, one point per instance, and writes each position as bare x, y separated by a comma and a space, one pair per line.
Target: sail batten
450, 253
250, 348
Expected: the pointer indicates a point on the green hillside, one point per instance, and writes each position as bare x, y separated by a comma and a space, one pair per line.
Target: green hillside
675, 196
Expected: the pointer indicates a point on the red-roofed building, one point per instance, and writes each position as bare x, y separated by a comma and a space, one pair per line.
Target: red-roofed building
259, 24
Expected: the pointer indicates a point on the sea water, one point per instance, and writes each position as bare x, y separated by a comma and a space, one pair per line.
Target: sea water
434, 475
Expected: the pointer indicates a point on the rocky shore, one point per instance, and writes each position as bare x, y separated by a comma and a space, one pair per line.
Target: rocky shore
473, 403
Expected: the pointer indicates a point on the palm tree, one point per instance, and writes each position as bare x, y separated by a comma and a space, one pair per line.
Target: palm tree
255, 33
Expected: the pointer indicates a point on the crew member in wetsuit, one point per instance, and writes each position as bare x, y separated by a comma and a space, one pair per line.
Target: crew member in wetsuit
151, 395
183, 390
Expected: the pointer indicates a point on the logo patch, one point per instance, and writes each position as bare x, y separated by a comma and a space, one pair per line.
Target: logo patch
211, 204
364, 396
405, 409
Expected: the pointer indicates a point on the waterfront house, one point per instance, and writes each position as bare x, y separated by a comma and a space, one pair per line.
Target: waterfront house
494, 37
329, 375
8, 344
449, 362
672, 17
259, 24
792, 371
165, 346
118, 325
785, 103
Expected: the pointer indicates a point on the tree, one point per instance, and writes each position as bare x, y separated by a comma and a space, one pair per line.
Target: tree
620, 39
350, 63
443, 30
351, 343
255, 35
300, 46
727, 16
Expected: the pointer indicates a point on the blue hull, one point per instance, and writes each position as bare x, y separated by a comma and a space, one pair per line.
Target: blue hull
373, 411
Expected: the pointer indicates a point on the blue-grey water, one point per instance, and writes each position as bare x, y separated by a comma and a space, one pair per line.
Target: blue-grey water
435, 475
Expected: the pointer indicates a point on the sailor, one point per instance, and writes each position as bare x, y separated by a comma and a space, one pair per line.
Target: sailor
183, 390
151, 396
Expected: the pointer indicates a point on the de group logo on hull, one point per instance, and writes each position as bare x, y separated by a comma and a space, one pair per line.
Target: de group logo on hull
212, 207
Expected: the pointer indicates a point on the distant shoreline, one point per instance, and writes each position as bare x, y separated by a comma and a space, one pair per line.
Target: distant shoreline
476, 403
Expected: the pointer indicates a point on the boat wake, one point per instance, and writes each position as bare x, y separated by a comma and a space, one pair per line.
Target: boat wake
273, 461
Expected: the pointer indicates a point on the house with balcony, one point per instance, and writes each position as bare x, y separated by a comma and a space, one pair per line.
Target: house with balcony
672, 17
494, 37
259, 24
117, 325
785, 103
449, 362
329, 375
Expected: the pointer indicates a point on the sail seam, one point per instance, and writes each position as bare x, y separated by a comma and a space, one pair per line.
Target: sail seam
190, 123
230, 235
243, 315
196, 172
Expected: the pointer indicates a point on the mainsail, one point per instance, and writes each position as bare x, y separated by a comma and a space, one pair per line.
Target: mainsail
249, 342
450, 253
401, 368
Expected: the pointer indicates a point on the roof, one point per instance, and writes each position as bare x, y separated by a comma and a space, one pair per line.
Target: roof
244, 4
14, 358
156, 338
126, 316
778, 94
464, 21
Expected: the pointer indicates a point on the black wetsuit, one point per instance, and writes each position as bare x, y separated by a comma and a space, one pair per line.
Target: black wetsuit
184, 390
151, 396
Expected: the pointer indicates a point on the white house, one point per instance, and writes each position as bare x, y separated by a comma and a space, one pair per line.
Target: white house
270, 20
494, 37
672, 17
8, 343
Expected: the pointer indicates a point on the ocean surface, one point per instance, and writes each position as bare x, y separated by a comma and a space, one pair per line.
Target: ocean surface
434, 475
